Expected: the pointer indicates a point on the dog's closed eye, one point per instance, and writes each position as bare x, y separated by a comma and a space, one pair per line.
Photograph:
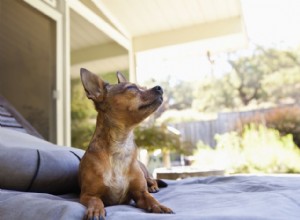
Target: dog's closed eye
132, 87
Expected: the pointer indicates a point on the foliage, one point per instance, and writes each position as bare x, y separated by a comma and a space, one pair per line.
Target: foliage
81, 107
214, 95
285, 119
253, 71
157, 137
257, 76
248, 72
82, 133
256, 150
283, 85
82, 111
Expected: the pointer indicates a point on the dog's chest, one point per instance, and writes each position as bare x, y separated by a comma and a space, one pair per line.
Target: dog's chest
117, 178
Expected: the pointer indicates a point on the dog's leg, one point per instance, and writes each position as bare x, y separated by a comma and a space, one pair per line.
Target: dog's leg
92, 186
146, 201
153, 184
142, 198
95, 207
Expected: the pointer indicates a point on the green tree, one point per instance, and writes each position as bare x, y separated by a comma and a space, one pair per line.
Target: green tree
254, 72
261, 75
214, 95
248, 73
161, 137
157, 137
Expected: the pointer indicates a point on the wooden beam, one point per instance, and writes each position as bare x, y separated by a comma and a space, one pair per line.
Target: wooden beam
188, 34
98, 52
99, 23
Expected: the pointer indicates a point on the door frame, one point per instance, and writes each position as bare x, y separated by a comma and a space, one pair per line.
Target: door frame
61, 94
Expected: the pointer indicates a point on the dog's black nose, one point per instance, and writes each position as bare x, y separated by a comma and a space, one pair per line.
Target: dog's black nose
158, 89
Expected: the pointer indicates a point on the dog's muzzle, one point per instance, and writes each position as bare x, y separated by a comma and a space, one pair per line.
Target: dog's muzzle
158, 90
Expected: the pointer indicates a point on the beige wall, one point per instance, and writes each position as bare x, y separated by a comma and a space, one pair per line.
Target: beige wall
27, 64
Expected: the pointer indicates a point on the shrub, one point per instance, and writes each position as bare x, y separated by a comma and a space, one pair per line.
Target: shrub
256, 150
285, 119
156, 137
82, 133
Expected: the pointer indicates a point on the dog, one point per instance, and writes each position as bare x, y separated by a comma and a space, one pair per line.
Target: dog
109, 172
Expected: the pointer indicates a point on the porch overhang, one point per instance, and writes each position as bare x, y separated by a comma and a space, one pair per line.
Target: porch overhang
221, 28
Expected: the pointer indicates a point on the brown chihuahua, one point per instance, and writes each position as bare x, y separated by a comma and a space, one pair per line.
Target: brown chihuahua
109, 172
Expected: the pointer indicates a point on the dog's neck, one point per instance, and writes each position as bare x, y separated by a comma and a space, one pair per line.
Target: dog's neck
111, 134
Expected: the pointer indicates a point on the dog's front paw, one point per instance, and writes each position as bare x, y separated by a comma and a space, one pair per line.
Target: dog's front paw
147, 202
158, 208
95, 207
94, 213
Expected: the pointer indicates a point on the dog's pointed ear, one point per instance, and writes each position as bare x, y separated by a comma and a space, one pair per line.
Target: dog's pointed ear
93, 85
121, 77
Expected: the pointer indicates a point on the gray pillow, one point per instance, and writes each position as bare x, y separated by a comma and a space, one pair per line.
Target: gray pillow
31, 164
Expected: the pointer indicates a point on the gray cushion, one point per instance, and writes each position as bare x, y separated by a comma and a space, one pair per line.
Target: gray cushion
31, 164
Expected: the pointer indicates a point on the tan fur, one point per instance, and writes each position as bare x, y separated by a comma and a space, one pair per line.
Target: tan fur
109, 172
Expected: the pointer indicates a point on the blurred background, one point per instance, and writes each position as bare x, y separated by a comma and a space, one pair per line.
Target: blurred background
230, 70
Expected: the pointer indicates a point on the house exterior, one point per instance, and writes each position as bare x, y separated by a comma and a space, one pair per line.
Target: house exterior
45, 42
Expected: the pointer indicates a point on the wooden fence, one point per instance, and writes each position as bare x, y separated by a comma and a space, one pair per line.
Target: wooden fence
206, 130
